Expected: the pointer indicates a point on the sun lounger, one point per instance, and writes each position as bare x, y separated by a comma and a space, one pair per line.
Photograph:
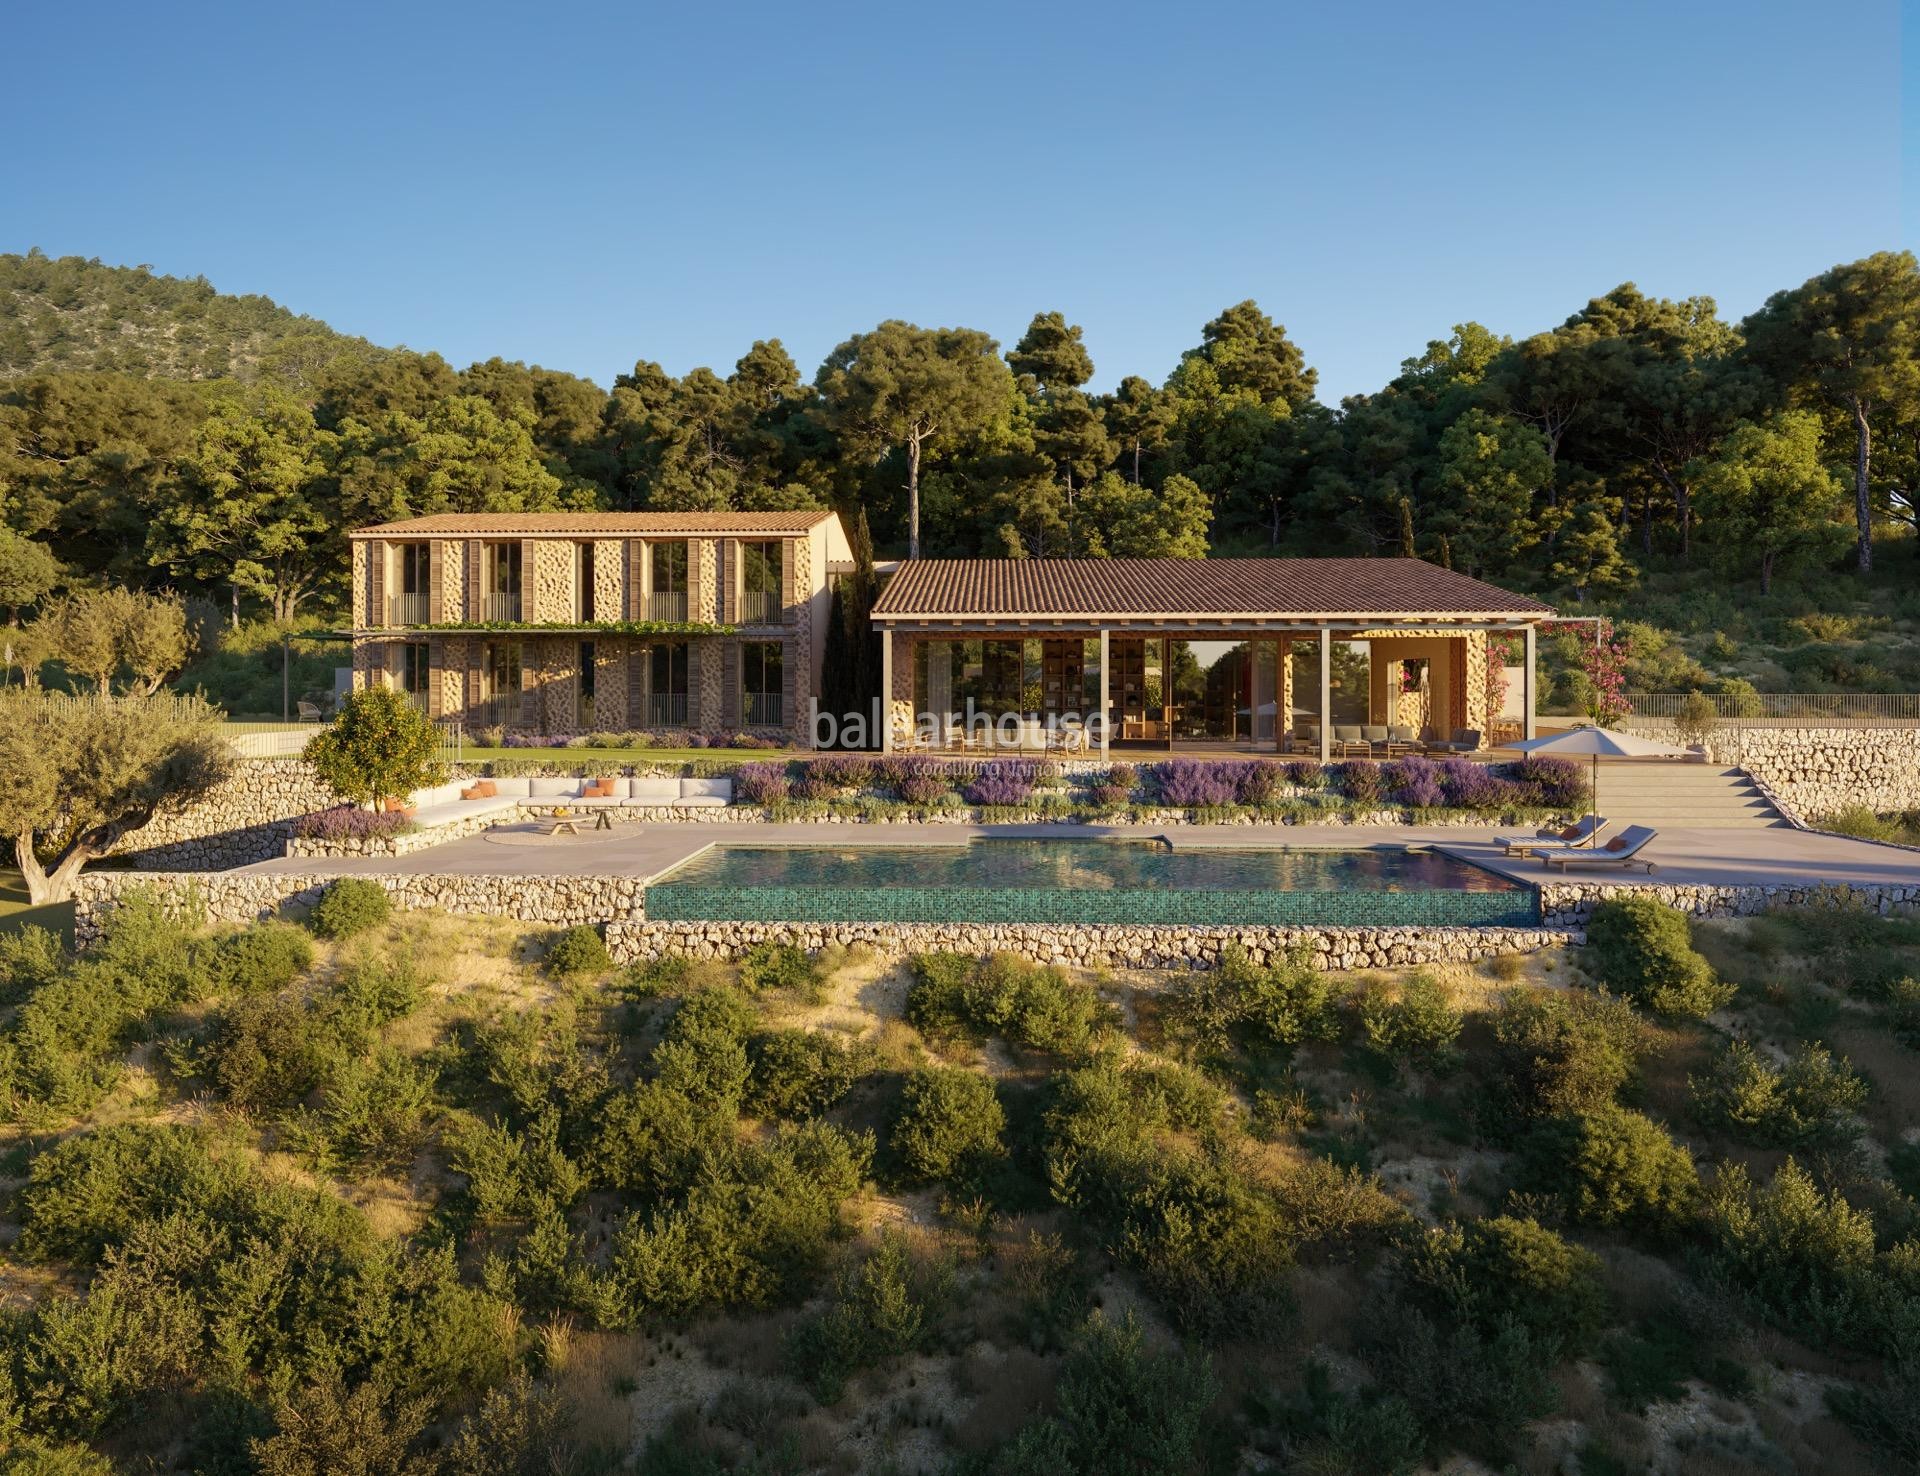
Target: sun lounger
1579, 835
1623, 850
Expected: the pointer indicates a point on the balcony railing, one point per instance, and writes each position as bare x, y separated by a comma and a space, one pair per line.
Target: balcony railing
759, 607
666, 709
407, 609
762, 709
498, 608
1785, 709
667, 604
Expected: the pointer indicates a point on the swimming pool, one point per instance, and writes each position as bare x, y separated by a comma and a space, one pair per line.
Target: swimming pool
1088, 881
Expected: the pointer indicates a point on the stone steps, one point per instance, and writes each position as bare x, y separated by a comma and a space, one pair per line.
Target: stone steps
1684, 795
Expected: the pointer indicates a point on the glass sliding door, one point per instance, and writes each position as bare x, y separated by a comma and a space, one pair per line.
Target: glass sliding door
667, 685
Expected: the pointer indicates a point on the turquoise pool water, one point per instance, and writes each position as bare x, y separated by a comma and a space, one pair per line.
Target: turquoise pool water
1087, 881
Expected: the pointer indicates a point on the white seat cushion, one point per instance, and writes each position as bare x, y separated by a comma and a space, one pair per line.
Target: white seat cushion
443, 814
700, 801
513, 788
656, 791
705, 789
555, 788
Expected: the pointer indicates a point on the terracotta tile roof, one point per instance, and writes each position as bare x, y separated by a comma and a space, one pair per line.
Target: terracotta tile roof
1199, 587
563, 524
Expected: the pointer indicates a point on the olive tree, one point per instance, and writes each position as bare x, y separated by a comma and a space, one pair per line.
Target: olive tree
379, 747
99, 633
82, 773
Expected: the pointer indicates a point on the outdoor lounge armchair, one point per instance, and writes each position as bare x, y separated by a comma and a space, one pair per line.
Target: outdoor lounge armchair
1402, 739
1346, 737
1623, 850
1464, 740
1577, 835
1375, 737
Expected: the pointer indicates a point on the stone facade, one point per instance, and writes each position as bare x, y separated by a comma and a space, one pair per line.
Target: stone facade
609, 579
1816, 771
797, 670
550, 582
249, 818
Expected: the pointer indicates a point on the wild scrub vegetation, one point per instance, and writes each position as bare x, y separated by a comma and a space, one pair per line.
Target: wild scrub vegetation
374, 1193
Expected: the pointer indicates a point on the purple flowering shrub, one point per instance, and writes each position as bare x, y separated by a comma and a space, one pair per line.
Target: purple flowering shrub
1359, 780
843, 770
923, 789
808, 787
1415, 782
1185, 783
349, 822
1469, 786
761, 784
1002, 782
1305, 773
1557, 783
1257, 782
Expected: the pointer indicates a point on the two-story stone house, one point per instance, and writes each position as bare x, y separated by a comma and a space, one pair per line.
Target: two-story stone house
566, 623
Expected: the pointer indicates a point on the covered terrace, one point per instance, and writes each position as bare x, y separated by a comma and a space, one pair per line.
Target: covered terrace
1329, 657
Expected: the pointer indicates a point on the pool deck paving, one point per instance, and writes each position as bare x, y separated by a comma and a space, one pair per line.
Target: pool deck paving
1686, 857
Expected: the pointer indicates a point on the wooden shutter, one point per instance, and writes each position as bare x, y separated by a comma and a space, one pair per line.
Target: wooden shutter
436, 699
476, 678
634, 547
730, 677
436, 581
530, 587
789, 565
376, 582
476, 565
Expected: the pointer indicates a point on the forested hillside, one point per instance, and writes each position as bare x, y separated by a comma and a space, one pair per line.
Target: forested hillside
1646, 457
76, 314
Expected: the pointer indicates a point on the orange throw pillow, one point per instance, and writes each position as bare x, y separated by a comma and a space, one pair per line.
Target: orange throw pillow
597, 789
488, 789
472, 791
1617, 844
1572, 832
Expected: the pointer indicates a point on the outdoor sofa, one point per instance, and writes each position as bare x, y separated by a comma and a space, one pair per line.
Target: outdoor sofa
447, 802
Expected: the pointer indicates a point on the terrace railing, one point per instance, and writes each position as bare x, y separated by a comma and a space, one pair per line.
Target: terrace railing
499, 609
407, 609
762, 709
759, 607
666, 709
1786, 709
667, 604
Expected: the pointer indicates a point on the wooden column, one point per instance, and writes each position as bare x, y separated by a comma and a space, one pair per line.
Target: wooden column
1526, 686
1106, 693
1326, 694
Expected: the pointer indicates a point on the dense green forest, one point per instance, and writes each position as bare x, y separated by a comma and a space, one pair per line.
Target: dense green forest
153, 431
425, 1194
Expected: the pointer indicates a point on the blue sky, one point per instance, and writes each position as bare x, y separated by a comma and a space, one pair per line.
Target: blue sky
584, 185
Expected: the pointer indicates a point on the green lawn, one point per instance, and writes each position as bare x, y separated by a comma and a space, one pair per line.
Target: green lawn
16, 912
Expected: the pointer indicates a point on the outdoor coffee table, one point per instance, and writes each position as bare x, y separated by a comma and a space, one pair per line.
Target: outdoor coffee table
562, 825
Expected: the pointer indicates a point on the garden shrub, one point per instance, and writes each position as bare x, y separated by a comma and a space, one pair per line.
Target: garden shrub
761, 783
956, 995
1347, 1432
753, 1225
949, 1126
263, 958
1257, 782
349, 905
1804, 1254
29, 958
577, 950
798, 1073
883, 1308
1466, 785
1110, 796
512, 1175
1814, 1099
923, 789
1644, 949
1467, 1388
771, 965
352, 823
1002, 782
1489, 1272
843, 770
1186, 783
1553, 783
1118, 1409
1415, 1022
1613, 1168
1414, 781
373, 1114
703, 1053
1564, 1052
1242, 1003
1359, 780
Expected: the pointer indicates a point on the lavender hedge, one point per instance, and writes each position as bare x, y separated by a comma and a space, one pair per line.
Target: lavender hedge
761, 783
347, 822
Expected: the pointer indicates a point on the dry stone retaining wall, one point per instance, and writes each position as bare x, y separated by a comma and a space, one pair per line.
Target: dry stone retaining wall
249, 818
1570, 904
1090, 945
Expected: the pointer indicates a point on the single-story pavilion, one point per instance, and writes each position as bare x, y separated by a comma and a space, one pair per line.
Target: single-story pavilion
1280, 655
